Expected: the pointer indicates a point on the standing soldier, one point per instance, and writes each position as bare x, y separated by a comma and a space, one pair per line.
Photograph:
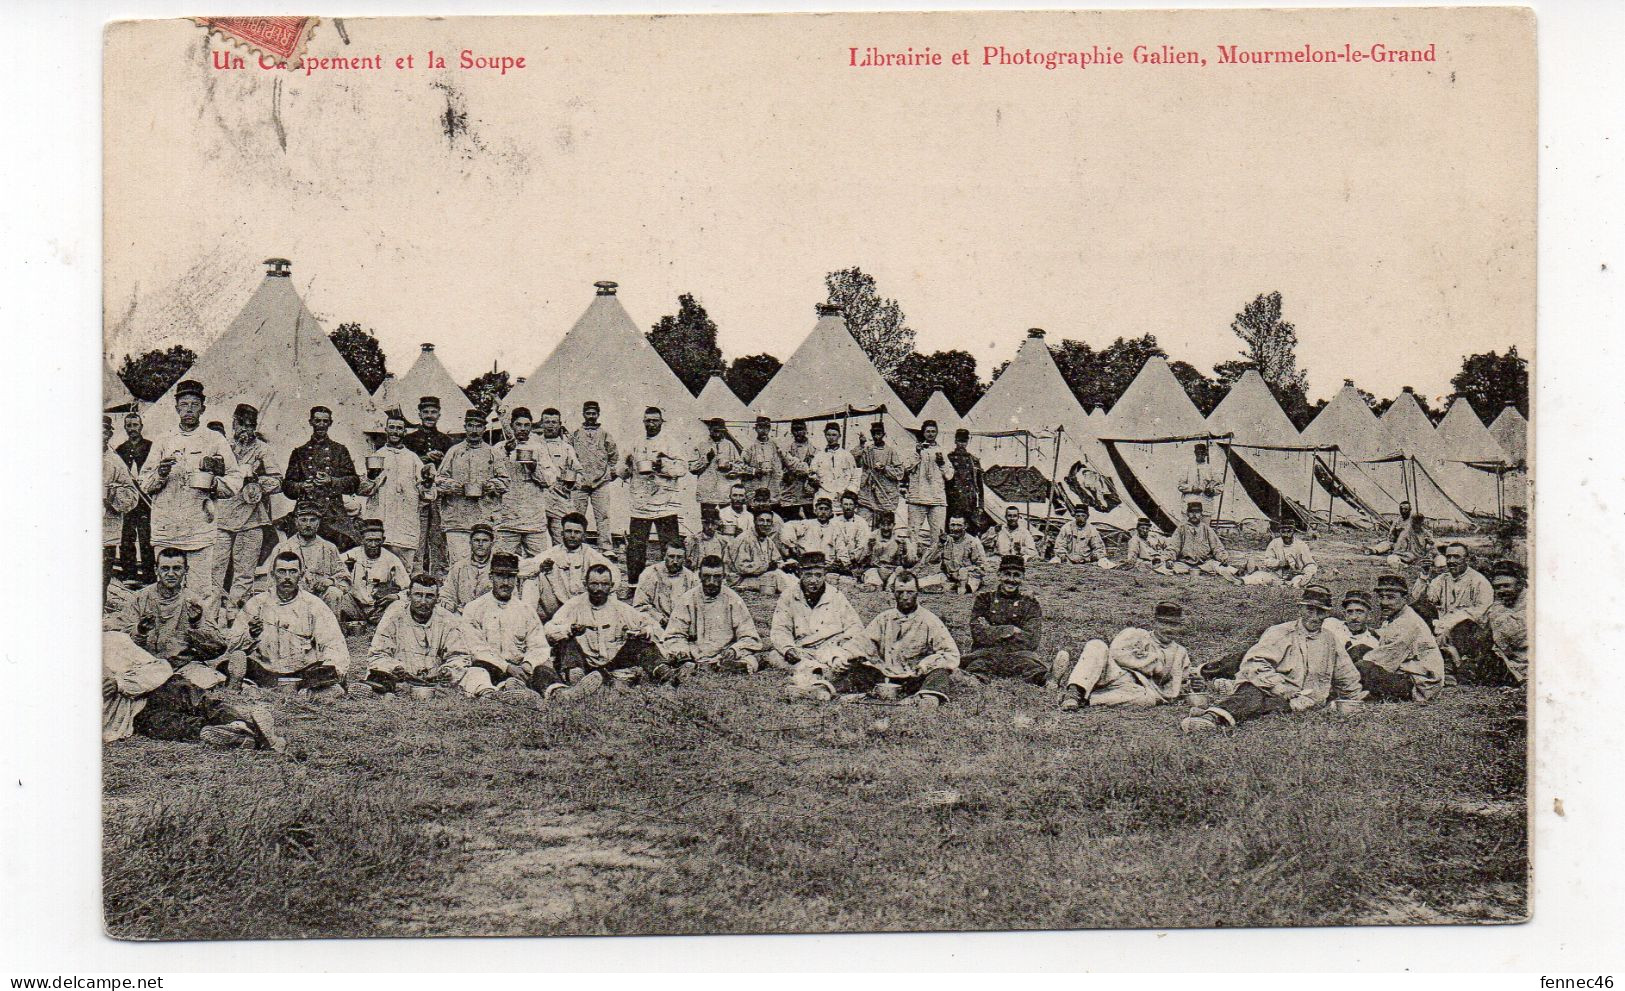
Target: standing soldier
796, 495
833, 468
965, 487
135, 545
596, 458
765, 465
187, 468
395, 491
118, 497
541, 471
429, 444
321, 473
471, 483
243, 517
882, 467
929, 472
655, 463
715, 465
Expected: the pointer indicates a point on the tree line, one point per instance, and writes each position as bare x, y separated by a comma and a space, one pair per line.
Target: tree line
687, 340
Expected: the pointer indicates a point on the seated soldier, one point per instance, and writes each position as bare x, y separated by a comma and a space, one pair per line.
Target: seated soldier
1295, 666
320, 556
511, 657
815, 631
710, 539
560, 572
661, 586
1287, 560
849, 539
889, 552
420, 644
1006, 628
288, 633
736, 518
1405, 665
961, 558
1142, 667
1455, 603
711, 626
597, 632
1409, 540
801, 537
1195, 547
1507, 620
756, 560
168, 621
375, 577
1354, 629
1079, 542
1147, 548
906, 647
470, 577
1015, 537
145, 695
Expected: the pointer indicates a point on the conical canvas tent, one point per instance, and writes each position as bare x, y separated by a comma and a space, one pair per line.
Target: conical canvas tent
115, 394
276, 357
1473, 491
1511, 430
1289, 480
1155, 435
1389, 477
938, 408
829, 373
717, 399
428, 377
1028, 418
1467, 442
604, 357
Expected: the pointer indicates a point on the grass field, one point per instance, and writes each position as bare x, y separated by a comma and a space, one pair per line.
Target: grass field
718, 807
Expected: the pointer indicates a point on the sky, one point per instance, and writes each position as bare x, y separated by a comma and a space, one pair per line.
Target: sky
741, 158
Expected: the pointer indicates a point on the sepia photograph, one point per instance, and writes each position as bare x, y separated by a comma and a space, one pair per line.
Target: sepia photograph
817, 473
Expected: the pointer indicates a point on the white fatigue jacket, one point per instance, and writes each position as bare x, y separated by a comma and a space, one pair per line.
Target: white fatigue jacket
959, 558
1197, 543
400, 493
883, 474
1161, 667
1288, 661
1405, 644
658, 590
506, 632
896, 551
183, 517
368, 574
321, 558
849, 539
462, 464
249, 506
466, 581
1018, 541
750, 555
1509, 635
1079, 545
710, 626
835, 472
902, 646
802, 536
1351, 640
831, 623
531, 497
296, 634
764, 466
596, 456
568, 578
1456, 599
654, 491
117, 486
416, 648
715, 465
607, 627
128, 673
1153, 548
928, 481
1293, 557
735, 522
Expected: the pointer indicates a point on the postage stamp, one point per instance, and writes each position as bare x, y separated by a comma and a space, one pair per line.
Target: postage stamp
282, 37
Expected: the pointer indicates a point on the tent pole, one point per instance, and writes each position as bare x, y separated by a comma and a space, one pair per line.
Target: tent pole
1333, 493
1054, 483
1224, 483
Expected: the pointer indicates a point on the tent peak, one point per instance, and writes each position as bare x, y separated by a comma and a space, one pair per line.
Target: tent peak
828, 309
1037, 332
427, 346
606, 288
278, 268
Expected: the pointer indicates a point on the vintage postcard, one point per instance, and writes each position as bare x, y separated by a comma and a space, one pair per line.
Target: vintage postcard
817, 473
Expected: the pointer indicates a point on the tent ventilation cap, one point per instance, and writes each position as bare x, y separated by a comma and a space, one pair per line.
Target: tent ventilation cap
828, 309
606, 288
278, 268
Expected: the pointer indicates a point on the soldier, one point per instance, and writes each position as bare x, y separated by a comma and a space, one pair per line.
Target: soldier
321, 473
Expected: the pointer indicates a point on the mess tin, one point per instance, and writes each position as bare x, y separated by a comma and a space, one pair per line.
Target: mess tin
473, 490
201, 480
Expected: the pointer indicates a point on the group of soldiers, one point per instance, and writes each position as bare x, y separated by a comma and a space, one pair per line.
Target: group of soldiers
528, 611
